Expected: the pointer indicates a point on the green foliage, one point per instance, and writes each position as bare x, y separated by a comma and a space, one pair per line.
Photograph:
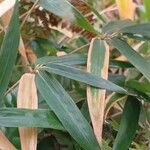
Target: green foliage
63, 119
128, 125
8, 52
42, 118
135, 58
67, 112
79, 75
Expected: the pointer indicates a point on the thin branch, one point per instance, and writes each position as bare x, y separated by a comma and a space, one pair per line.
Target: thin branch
12, 87
80, 48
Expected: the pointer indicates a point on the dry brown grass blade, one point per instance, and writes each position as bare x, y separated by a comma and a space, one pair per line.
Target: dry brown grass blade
27, 98
5, 143
98, 62
126, 9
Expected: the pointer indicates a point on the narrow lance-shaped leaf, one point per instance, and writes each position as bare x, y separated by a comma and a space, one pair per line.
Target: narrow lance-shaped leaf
73, 59
66, 110
64, 9
128, 125
99, 16
120, 64
98, 63
8, 51
40, 118
140, 86
78, 59
82, 76
128, 28
116, 26
139, 31
27, 98
133, 57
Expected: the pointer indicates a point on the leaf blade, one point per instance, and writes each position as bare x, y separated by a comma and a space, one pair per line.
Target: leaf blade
116, 26
17, 117
128, 125
8, 52
27, 98
75, 59
78, 59
82, 76
97, 63
65, 109
133, 57
141, 31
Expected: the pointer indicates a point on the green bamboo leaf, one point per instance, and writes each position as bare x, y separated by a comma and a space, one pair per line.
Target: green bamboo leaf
117, 79
8, 51
116, 26
140, 86
79, 59
64, 9
96, 13
141, 96
133, 57
128, 28
73, 59
98, 64
128, 125
82, 76
138, 90
42, 118
66, 110
120, 64
140, 31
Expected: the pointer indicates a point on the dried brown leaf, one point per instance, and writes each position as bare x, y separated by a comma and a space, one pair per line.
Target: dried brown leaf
5, 143
27, 98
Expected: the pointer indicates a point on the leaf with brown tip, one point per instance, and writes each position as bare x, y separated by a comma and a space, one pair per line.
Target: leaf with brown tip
97, 63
